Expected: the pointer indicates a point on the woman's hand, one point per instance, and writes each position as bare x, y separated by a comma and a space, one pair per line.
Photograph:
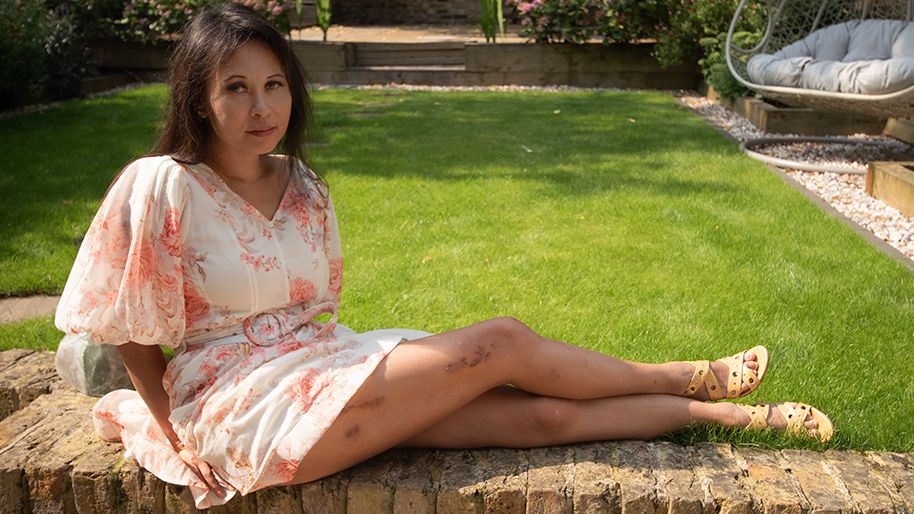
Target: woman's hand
203, 470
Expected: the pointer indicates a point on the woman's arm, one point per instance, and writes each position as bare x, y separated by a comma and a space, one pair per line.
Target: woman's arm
146, 367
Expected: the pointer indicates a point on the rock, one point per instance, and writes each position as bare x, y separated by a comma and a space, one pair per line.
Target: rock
93, 369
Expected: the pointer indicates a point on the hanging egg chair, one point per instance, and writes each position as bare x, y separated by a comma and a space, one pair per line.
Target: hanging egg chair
828, 55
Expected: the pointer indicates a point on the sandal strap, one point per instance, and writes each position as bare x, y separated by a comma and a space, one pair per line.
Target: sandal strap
703, 376
795, 417
737, 375
758, 415
698, 376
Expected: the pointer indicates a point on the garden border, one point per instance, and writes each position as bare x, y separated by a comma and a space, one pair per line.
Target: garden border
446, 64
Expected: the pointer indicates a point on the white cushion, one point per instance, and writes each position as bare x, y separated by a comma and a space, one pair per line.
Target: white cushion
868, 57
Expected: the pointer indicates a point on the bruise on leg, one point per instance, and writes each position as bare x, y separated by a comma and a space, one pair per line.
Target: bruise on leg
479, 354
352, 431
374, 402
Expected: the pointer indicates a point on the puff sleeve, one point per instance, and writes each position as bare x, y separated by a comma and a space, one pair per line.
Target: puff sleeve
126, 283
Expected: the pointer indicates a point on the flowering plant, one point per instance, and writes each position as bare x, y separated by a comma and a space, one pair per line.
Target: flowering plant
577, 21
150, 20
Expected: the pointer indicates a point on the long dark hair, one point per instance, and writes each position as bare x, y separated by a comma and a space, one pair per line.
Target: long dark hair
206, 43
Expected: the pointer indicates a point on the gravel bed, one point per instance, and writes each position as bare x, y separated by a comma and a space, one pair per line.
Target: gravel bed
844, 191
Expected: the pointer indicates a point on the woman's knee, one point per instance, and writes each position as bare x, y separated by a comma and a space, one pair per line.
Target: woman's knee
507, 330
549, 416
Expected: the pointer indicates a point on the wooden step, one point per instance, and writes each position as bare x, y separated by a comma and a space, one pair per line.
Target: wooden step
893, 183
408, 54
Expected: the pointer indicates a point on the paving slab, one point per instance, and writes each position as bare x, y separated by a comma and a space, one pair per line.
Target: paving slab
21, 308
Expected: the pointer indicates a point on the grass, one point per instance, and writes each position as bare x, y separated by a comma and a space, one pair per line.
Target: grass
617, 221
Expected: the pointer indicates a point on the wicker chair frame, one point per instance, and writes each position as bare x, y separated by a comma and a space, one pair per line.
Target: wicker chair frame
791, 20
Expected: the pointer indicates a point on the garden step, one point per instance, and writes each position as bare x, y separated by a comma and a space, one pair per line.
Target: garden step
408, 54
52, 461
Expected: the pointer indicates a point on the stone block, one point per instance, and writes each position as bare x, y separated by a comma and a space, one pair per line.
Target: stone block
370, 487
416, 474
93, 369
672, 466
504, 481
9, 357
97, 486
595, 488
324, 496
247, 504
285, 500
461, 488
816, 481
770, 482
898, 468
144, 491
868, 490
721, 478
178, 500
550, 480
26, 378
48, 471
638, 486
36, 452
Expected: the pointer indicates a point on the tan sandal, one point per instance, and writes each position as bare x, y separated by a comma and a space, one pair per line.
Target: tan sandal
737, 377
795, 417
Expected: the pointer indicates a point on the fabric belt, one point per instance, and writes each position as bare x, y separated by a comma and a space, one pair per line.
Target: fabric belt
273, 326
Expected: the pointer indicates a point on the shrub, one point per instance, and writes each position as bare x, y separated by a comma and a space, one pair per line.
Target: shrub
714, 64
66, 52
685, 30
579, 21
147, 21
22, 29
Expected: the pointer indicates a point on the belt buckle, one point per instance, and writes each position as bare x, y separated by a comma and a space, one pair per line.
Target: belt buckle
271, 322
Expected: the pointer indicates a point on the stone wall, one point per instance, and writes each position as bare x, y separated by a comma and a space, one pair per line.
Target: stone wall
52, 461
405, 12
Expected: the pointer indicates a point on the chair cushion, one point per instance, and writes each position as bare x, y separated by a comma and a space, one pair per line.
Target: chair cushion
869, 57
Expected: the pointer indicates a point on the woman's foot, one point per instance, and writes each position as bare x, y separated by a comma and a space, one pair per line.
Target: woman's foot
728, 377
793, 417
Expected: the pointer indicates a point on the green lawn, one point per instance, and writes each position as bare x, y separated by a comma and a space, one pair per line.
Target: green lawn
622, 223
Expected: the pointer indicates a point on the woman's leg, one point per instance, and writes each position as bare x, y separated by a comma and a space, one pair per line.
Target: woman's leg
422, 382
511, 418
508, 417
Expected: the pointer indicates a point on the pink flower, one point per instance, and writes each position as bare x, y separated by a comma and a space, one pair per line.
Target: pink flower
276, 12
196, 307
305, 387
336, 278
171, 232
140, 265
301, 290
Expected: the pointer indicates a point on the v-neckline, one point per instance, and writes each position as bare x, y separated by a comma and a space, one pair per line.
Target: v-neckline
249, 205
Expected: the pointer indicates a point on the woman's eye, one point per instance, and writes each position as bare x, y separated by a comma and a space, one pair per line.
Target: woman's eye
275, 84
235, 87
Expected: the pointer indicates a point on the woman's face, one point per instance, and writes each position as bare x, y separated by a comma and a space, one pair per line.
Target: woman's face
249, 102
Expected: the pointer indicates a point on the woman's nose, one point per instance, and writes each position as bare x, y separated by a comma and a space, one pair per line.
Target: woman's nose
260, 106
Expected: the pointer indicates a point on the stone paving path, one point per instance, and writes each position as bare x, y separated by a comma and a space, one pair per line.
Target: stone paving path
51, 461
17, 309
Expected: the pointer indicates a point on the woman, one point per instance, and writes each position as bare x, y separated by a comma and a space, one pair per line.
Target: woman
228, 254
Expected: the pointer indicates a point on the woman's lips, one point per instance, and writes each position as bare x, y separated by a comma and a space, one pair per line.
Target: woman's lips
262, 133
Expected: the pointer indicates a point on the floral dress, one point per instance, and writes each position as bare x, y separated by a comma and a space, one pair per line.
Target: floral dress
175, 257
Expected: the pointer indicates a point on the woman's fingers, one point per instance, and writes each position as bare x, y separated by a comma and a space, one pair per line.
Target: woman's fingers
202, 469
209, 478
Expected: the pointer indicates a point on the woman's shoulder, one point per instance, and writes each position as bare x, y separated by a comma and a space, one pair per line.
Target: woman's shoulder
311, 183
151, 177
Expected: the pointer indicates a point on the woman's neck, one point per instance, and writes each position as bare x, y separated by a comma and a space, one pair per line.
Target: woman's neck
247, 168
